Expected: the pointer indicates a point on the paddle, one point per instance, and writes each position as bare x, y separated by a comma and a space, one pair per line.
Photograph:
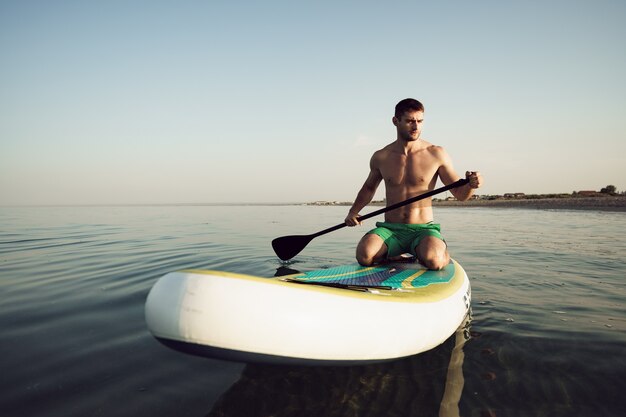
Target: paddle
287, 247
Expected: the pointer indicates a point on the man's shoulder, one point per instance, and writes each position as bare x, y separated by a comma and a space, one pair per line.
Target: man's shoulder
383, 152
436, 150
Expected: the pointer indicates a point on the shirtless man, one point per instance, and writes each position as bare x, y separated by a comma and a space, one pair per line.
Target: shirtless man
409, 166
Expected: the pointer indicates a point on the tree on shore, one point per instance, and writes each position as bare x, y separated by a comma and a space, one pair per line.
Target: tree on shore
609, 189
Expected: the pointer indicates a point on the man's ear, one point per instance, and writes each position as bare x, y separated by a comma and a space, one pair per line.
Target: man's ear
394, 120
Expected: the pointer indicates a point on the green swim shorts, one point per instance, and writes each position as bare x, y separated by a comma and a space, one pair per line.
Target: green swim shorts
403, 238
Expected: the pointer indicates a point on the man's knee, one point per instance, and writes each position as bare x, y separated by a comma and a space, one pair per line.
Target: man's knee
365, 260
435, 261
433, 254
370, 250
368, 256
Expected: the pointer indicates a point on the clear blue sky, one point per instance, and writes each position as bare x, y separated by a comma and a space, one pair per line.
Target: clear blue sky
282, 101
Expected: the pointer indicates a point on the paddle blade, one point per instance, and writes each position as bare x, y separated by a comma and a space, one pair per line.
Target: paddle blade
287, 247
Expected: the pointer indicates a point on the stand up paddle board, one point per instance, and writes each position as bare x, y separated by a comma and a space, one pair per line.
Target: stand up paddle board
338, 316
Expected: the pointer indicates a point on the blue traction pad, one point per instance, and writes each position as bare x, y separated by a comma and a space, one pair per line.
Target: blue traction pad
396, 275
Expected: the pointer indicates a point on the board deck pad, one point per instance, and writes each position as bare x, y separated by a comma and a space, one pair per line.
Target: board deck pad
393, 275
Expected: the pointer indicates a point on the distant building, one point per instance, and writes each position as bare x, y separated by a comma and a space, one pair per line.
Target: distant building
514, 195
587, 193
324, 203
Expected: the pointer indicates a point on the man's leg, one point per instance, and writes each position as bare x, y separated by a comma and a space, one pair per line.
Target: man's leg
432, 252
371, 250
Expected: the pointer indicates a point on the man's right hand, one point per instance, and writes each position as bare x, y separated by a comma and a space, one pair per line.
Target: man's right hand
352, 219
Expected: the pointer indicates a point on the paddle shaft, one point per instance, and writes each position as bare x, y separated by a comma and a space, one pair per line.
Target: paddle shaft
411, 200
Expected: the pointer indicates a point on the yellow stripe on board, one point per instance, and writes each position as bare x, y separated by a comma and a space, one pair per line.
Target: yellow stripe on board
407, 282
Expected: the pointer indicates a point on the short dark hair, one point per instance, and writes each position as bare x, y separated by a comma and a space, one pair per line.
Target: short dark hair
408, 104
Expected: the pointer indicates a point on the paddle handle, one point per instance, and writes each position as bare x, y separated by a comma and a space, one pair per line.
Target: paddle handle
411, 200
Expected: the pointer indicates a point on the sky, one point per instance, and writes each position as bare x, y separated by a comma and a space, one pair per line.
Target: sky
158, 102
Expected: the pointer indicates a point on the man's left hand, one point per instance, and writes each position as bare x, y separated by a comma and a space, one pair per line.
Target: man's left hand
475, 179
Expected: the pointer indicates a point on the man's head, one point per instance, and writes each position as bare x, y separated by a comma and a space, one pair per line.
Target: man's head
408, 119
408, 104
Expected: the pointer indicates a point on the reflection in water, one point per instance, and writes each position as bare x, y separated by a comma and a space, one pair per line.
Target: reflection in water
454, 378
428, 384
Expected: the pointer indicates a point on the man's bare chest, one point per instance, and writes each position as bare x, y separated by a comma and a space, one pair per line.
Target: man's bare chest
408, 171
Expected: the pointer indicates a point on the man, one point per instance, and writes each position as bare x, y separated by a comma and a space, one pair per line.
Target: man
409, 166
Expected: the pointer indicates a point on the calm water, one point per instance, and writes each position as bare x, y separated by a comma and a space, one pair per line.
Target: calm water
547, 336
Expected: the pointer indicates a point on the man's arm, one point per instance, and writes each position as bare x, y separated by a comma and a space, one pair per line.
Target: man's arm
366, 193
448, 175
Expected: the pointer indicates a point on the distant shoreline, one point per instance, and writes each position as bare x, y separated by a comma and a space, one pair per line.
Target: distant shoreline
599, 203
603, 203
607, 203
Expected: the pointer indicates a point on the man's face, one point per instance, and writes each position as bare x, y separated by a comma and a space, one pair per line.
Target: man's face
409, 126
